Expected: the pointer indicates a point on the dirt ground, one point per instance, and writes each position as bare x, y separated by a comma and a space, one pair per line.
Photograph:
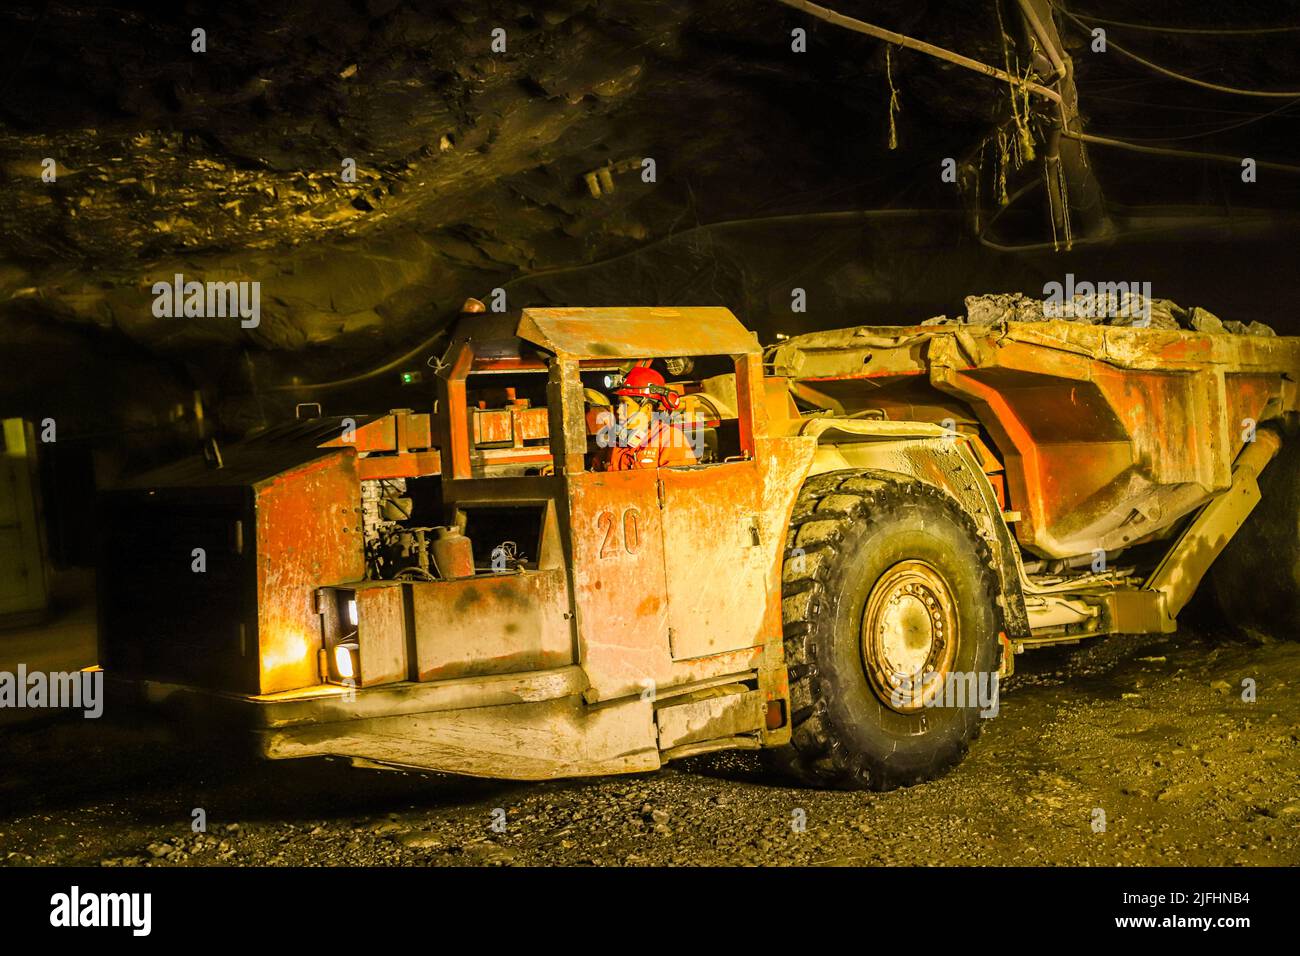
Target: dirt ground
1129, 751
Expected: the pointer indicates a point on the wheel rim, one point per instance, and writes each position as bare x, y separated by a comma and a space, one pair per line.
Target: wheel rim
909, 635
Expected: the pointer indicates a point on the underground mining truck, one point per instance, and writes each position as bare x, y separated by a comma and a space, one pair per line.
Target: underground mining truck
877, 519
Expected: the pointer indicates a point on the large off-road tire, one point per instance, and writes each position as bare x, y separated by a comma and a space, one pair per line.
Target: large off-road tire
883, 574
1256, 579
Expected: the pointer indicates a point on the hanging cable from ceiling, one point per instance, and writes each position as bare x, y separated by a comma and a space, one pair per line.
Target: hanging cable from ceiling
894, 105
1175, 153
1186, 31
1174, 75
921, 46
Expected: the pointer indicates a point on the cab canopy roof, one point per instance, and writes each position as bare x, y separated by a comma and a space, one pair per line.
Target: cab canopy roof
630, 333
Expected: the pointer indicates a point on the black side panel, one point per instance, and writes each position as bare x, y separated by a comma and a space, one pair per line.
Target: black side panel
159, 618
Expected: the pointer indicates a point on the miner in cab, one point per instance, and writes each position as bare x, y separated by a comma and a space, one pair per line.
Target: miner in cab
615, 537
646, 428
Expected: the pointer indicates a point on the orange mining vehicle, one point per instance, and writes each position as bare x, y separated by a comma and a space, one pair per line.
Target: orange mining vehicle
861, 531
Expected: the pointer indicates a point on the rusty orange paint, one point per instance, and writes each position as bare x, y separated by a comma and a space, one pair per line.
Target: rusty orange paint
491, 624
454, 437
396, 431
410, 465
308, 535
617, 560
514, 425
636, 333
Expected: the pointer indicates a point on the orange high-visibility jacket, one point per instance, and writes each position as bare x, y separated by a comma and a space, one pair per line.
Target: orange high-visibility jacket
666, 445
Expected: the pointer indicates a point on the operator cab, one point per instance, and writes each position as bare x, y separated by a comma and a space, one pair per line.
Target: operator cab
531, 416
691, 398
507, 380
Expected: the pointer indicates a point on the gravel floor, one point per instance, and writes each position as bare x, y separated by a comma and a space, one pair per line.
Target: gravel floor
1148, 736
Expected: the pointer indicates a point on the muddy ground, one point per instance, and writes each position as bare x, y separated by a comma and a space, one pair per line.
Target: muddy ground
1151, 732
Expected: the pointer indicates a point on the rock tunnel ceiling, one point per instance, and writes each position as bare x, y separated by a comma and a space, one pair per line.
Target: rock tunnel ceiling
522, 168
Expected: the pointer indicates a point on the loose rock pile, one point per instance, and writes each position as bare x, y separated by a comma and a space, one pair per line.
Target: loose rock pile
1116, 309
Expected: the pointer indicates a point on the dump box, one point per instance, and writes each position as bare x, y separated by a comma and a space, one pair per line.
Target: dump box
1108, 435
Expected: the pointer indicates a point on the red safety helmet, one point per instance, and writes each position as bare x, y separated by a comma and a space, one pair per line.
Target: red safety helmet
645, 382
